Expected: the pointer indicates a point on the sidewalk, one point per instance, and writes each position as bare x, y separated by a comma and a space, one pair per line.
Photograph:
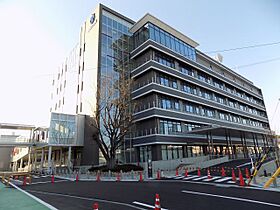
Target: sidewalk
262, 180
11, 198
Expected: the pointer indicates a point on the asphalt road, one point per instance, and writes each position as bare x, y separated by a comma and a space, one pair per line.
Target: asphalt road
174, 194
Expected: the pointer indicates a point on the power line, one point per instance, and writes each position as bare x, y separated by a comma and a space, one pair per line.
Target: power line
245, 47
275, 110
253, 64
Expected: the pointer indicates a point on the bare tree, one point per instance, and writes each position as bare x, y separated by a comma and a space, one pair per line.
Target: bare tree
113, 114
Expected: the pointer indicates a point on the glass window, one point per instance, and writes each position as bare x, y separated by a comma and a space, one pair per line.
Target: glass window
174, 84
157, 35
167, 39
104, 19
177, 47
181, 47
152, 32
115, 24
172, 43
162, 37
176, 105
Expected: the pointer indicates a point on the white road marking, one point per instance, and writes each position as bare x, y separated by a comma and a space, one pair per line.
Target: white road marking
231, 198
223, 179
85, 198
48, 182
190, 177
213, 178
245, 164
146, 205
232, 182
200, 178
179, 177
34, 197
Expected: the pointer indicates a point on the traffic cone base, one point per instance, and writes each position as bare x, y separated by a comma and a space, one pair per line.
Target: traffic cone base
157, 203
95, 206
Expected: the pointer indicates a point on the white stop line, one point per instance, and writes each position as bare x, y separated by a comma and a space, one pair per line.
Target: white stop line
146, 205
230, 198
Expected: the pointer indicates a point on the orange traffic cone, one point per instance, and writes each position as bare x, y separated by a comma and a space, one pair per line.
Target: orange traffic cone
247, 173
118, 177
157, 203
140, 177
223, 172
52, 179
233, 175
177, 172
241, 180
95, 206
186, 173
208, 174
198, 172
97, 177
158, 175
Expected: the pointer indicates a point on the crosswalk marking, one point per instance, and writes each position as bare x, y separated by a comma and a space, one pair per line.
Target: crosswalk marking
218, 180
199, 178
232, 182
213, 178
223, 179
179, 177
190, 177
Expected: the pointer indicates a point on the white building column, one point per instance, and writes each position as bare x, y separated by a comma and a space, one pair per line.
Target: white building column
29, 159
21, 162
50, 159
42, 160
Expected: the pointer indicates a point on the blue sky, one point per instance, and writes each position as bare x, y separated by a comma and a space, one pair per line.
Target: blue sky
36, 36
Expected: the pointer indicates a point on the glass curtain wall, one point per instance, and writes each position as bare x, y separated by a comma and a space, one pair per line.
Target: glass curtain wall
114, 56
150, 31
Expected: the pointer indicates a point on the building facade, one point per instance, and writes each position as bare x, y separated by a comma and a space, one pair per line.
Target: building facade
187, 103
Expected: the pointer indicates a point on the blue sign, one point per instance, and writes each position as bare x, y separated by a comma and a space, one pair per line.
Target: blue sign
92, 18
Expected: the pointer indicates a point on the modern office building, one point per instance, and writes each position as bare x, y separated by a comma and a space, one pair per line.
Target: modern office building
188, 103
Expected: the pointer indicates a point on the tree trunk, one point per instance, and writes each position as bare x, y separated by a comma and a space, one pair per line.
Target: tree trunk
111, 163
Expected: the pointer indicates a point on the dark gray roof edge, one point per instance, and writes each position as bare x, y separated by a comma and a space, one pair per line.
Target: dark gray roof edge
102, 6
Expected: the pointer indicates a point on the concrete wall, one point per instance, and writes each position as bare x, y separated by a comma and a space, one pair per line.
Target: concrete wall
270, 168
168, 167
5, 158
90, 151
